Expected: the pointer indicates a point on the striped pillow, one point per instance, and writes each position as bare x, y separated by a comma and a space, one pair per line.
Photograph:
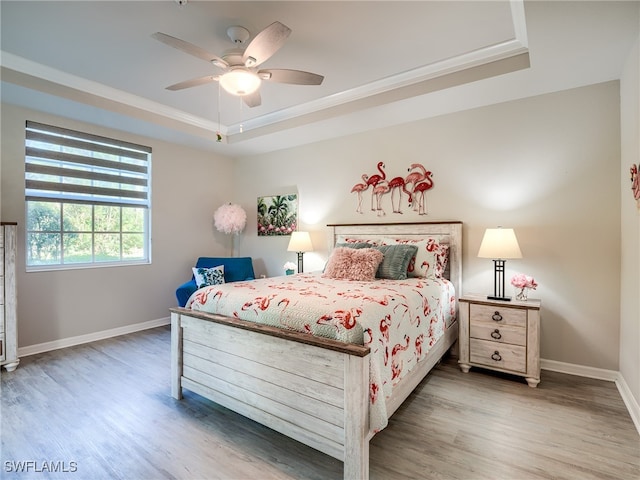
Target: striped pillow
396, 261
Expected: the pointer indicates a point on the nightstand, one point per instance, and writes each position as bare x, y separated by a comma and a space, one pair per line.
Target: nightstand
500, 335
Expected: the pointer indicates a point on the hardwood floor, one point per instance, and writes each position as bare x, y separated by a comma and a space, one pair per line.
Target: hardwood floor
104, 411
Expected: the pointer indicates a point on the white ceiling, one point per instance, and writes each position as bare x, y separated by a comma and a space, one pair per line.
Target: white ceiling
384, 63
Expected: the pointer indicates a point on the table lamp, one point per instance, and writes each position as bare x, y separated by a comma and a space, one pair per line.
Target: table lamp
300, 242
499, 244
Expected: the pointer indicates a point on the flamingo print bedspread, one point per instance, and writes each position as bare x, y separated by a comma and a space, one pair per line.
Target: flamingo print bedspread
400, 320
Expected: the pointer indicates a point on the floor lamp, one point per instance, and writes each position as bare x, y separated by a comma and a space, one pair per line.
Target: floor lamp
300, 242
499, 244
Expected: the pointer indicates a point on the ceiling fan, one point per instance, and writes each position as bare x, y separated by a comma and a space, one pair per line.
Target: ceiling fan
240, 67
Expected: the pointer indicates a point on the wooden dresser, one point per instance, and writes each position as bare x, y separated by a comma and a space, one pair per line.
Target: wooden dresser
500, 335
8, 297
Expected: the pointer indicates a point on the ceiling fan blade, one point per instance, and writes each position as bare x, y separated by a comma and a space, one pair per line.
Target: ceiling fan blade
296, 77
253, 99
265, 44
194, 82
190, 48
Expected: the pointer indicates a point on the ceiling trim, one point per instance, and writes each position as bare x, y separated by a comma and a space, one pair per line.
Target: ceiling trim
11, 63
40, 77
451, 65
510, 48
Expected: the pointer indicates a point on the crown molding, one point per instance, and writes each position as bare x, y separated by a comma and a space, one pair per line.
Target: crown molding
40, 75
423, 74
413, 82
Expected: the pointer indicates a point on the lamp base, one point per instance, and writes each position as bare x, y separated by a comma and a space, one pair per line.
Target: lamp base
493, 297
300, 262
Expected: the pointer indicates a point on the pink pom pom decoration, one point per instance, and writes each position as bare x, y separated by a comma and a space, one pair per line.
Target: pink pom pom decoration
230, 218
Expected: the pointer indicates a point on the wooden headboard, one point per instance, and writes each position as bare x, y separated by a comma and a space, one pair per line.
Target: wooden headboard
451, 230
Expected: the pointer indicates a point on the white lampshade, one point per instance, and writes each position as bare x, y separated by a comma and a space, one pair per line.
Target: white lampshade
300, 242
240, 82
499, 243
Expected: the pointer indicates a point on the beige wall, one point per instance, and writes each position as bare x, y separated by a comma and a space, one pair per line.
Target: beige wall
630, 213
547, 166
187, 186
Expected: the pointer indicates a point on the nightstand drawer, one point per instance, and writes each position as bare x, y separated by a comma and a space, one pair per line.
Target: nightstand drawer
499, 333
498, 355
498, 315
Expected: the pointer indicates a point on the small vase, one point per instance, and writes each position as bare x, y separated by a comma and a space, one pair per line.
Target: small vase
289, 272
522, 293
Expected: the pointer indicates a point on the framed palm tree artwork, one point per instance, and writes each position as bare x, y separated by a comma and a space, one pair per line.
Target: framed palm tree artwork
277, 215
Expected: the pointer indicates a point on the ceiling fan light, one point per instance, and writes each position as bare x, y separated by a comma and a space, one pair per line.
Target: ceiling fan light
240, 82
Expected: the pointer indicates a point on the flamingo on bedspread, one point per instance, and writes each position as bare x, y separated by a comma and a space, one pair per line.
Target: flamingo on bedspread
262, 303
346, 318
396, 364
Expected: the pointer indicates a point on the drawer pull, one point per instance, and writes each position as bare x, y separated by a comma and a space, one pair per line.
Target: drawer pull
496, 356
496, 334
496, 317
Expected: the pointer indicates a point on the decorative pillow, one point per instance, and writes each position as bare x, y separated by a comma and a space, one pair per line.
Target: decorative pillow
354, 245
431, 258
396, 261
351, 240
209, 276
349, 245
358, 264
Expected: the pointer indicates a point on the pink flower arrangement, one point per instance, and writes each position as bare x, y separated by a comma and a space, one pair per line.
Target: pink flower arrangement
523, 281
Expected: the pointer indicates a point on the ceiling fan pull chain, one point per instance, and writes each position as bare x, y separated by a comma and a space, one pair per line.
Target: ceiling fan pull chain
218, 134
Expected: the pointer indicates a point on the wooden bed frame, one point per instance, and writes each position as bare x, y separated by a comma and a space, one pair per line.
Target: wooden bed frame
312, 389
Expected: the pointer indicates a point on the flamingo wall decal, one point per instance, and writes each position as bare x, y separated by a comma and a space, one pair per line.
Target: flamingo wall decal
379, 190
399, 183
375, 179
414, 185
359, 188
419, 192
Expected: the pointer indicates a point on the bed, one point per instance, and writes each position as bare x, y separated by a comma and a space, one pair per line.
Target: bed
330, 389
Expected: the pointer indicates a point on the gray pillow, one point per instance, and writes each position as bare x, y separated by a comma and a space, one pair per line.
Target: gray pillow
396, 261
354, 245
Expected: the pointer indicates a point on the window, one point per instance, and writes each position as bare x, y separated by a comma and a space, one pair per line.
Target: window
87, 199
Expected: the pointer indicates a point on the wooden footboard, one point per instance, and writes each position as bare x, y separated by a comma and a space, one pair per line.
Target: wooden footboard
311, 389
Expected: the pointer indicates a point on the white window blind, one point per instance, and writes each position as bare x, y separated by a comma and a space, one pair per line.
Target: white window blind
65, 164
87, 199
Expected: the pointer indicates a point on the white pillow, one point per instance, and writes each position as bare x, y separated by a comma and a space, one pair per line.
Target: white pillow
431, 258
209, 276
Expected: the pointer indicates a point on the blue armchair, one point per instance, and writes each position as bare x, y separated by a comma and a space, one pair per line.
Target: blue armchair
236, 269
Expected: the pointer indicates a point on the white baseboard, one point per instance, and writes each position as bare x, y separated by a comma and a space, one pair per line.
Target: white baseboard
629, 400
600, 374
579, 370
91, 337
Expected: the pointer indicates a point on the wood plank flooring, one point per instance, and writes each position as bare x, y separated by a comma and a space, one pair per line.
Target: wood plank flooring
104, 410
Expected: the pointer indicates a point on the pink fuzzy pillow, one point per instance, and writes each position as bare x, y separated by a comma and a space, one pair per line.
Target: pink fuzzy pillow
353, 264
